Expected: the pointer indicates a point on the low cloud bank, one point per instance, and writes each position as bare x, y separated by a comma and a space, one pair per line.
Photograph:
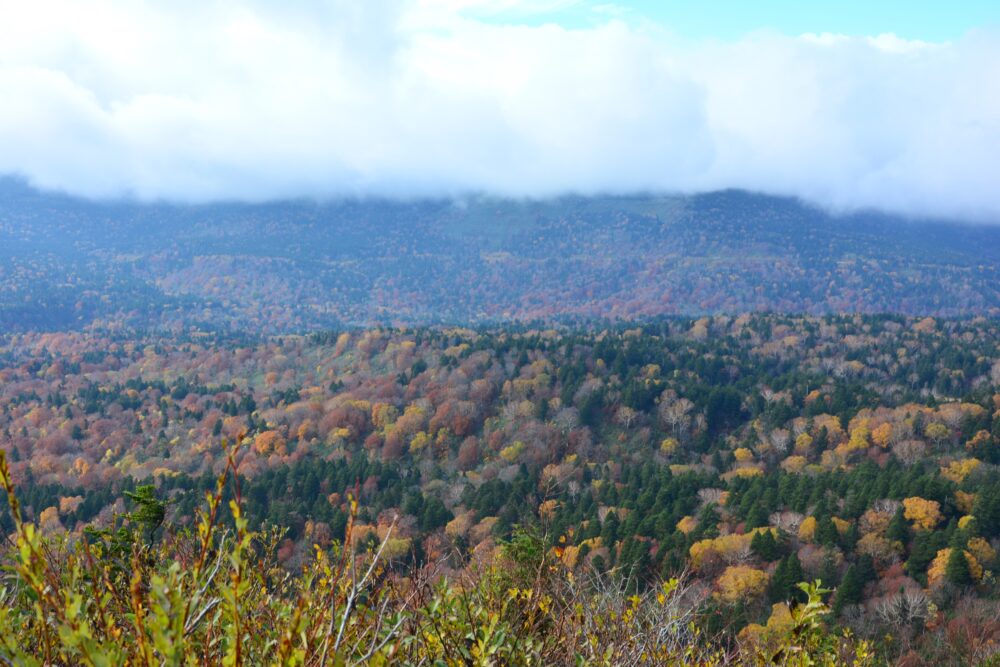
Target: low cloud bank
197, 101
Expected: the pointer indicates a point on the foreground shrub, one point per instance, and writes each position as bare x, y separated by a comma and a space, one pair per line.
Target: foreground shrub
217, 596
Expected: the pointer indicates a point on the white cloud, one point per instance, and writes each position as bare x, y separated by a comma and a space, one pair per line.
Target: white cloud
218, 99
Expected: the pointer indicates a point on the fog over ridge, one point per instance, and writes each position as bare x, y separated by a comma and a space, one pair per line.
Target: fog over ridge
223, 100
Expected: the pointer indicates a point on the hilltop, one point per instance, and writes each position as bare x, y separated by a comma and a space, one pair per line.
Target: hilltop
301, 266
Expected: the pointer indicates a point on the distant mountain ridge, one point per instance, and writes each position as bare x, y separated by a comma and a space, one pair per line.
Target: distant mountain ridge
300, 266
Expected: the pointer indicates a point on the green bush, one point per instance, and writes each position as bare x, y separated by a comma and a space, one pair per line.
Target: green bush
217, 596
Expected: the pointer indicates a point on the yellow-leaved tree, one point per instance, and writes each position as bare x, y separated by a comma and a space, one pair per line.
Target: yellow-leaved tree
925, 514
740, 583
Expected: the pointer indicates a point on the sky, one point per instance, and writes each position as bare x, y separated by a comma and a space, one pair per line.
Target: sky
890, 105
929, 20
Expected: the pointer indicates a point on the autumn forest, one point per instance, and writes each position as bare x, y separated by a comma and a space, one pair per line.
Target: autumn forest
730, 458
723, 429
499, 333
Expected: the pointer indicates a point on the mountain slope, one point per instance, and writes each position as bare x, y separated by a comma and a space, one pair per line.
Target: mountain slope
293, 266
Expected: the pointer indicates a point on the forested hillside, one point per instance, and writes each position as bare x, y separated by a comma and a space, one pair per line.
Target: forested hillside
301, 266
742, 455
